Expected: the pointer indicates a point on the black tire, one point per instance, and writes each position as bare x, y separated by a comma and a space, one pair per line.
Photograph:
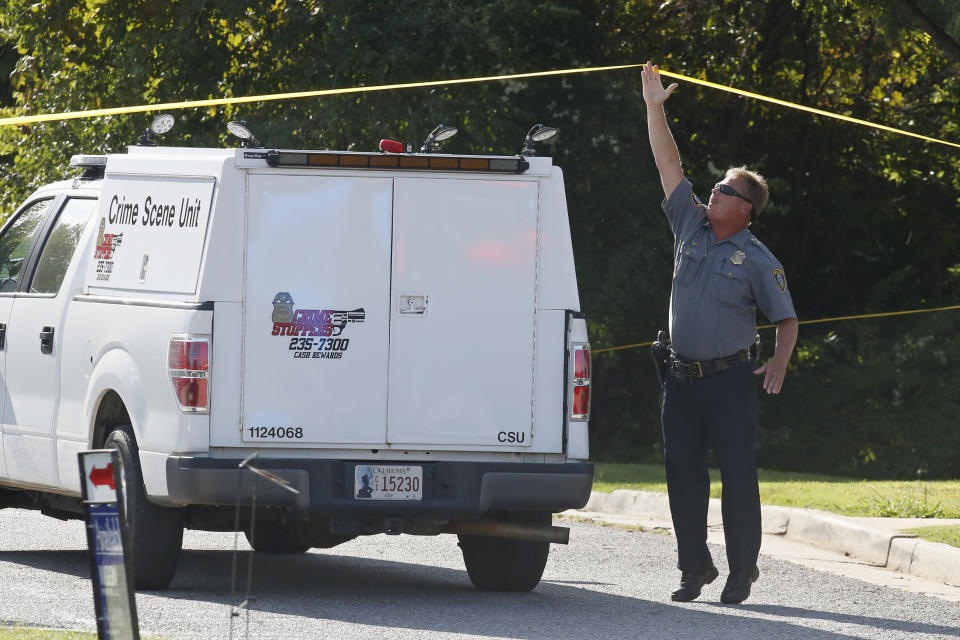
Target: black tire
502, 564
275, 538
156, 533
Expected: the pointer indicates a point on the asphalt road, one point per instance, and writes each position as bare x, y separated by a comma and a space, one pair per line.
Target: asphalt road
608, 583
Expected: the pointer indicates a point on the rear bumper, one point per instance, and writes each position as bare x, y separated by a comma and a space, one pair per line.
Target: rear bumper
326, 486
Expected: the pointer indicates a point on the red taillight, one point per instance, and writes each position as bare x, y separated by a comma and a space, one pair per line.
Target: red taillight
192, 355
581, 363
191, 393
189, 366
581, 402
580, 405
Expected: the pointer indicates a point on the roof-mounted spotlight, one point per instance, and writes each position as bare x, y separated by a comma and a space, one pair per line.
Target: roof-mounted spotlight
438, 135
160, 125
240, 129
537, 133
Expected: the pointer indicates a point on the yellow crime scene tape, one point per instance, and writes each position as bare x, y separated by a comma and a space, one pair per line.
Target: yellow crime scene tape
193, 104
862, 316
213, 102
819, 112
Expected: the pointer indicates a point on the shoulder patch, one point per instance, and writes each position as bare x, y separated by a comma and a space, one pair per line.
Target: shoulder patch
781, 279
695, 200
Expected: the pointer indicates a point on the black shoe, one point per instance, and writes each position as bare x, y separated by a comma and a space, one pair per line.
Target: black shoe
691, 582
738, 585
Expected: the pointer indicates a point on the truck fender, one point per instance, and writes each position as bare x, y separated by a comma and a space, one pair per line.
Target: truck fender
117, 371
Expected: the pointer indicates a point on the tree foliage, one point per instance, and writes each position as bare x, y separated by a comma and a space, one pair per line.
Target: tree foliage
863, 220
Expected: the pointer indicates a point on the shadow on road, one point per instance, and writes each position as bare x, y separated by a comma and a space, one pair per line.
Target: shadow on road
309, 595
845, 618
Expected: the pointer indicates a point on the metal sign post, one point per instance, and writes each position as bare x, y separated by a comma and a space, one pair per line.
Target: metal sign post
244, 606
100, 475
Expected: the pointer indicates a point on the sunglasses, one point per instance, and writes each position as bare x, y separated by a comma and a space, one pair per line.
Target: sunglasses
730, 191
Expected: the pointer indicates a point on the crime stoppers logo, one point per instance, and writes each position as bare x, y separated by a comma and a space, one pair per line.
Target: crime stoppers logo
313, 333
107, 244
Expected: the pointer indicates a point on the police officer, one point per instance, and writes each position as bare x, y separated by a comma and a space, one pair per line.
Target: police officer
722, 275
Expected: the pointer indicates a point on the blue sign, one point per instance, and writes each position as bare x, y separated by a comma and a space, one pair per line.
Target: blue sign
112, 592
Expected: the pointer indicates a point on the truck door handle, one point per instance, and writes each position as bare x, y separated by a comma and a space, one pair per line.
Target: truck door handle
46, 340
3, 335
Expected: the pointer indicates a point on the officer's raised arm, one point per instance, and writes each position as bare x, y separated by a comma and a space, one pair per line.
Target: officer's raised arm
665, 152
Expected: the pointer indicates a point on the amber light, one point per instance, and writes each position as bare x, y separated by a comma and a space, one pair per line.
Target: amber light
401, 160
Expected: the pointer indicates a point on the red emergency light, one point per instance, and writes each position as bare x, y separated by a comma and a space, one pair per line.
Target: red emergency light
391, 146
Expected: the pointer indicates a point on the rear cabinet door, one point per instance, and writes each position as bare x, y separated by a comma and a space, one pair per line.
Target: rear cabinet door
462, 309
316, 319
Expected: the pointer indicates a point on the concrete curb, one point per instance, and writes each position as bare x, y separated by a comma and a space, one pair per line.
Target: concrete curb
894, 550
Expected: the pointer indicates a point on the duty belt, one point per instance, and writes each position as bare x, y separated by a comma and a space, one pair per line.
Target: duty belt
687, 371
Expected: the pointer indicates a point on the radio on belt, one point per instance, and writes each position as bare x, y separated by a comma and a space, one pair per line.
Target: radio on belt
396, 335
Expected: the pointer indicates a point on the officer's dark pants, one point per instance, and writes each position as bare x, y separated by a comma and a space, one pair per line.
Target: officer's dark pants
718, 410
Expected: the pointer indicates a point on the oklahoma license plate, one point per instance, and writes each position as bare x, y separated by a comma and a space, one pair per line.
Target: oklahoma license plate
388, 482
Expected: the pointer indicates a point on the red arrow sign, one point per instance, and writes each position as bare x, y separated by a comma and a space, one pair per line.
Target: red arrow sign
103, 476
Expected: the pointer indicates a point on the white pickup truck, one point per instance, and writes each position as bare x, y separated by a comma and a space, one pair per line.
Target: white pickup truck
396, 336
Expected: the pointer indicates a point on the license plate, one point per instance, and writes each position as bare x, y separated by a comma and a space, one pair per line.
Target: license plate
388, 482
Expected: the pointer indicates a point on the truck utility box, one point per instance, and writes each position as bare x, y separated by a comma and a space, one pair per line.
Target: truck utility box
393, 341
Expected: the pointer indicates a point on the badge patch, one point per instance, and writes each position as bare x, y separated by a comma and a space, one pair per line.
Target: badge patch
737, 257
781, 279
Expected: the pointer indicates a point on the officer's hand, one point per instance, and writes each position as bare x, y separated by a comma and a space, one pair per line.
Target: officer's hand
774, 373
653, 91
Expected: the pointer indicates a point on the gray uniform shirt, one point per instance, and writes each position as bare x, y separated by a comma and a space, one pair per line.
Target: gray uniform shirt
718, 286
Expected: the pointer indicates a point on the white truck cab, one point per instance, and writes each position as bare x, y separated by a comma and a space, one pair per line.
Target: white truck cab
397, 337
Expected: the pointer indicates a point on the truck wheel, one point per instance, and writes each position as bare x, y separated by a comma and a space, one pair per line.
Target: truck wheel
275, 538
156, 533
502, 564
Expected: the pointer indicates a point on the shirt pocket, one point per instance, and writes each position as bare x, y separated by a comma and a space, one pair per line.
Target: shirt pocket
730, 285
689, 257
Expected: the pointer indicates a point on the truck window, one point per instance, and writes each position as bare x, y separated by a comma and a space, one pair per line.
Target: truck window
15, 242
60, 245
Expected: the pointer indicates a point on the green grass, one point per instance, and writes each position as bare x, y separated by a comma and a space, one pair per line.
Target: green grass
24, 633
10, 631
846, 496
947, 534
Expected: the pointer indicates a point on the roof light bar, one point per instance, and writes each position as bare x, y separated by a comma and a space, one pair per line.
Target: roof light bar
88, 160
422, 162
94, 166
